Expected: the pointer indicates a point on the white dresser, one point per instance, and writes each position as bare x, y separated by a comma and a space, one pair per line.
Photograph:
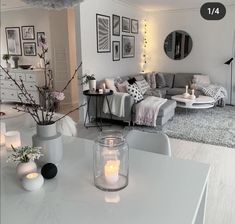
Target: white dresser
31, 78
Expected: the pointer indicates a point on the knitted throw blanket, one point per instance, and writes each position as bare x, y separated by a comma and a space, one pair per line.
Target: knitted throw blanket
147, 111
214, 91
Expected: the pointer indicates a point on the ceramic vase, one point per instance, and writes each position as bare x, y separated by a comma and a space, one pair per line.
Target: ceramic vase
92, 85
50, 141
23, 169
186, 94
8, 65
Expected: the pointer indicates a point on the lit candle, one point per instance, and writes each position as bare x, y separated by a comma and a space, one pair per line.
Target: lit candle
2, 133
111, 171
104, 86
186, 89
101, 91
32, 181
192, 92
12, 139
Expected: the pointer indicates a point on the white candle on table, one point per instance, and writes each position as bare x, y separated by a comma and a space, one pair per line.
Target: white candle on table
111, 171
104, 86
101, 91
2, 133
12, 138
186, 89
193, 92
32, 181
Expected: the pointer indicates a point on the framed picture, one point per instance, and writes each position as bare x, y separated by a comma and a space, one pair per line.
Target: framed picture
125, 25
116, 50
116, 25
134, 26
28, 32
128, 46
13, 41
41, 38
30, 49
103, 33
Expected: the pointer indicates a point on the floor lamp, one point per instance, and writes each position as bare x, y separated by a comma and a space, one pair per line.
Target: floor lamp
230, 62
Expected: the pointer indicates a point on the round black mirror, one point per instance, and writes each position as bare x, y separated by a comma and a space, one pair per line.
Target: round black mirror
178, 45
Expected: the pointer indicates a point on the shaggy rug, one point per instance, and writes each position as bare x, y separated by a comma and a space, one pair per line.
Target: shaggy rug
214, 126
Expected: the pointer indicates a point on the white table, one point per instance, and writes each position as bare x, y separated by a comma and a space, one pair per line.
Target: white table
202, 102
161, 190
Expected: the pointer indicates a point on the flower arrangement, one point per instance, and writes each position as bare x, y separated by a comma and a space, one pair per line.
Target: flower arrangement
42, 114
6, 57
86, 78
25, 154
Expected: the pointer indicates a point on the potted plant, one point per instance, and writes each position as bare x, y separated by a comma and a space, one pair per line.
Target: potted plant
25, 157
91, 80
6, 57
47, 136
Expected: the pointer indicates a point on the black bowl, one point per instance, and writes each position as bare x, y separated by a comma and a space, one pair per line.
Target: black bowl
25, 66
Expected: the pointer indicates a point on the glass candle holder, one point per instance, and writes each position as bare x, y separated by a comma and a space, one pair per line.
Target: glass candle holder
2, 133
111, 161
12, 138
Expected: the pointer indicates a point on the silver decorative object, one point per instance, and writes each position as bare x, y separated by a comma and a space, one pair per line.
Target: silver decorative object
52, 4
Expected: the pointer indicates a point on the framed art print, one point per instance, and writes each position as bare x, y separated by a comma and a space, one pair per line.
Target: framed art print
134, 26
116, 50
125, 25
116, 25
128, 46
13, 41
30, 49
103, 33
28, 32
41, 38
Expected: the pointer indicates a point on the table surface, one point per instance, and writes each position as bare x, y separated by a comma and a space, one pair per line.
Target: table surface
199, 100
161, 190
96, 93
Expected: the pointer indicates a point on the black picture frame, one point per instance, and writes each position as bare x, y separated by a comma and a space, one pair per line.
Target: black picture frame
13, 41
116, 51
126, 24
116, 25
128, 46
28, 32
39, 37
30, 51
103, 33
134, 26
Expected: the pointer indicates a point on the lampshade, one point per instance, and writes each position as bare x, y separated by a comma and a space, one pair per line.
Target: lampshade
229, 61
52, 4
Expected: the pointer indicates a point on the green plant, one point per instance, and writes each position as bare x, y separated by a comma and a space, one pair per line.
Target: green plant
25, 154
6, 57
86, 78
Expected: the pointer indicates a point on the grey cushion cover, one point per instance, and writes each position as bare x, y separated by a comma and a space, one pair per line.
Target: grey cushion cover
182, 79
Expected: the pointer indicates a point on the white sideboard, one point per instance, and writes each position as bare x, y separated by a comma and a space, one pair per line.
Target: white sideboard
31, 78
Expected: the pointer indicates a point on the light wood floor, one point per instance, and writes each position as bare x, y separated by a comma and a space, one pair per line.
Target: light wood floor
221, 191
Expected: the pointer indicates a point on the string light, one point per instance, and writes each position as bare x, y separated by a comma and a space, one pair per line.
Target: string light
145, 46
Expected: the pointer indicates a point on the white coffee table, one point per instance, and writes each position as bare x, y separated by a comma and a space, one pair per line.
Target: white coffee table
160, 190
202, 102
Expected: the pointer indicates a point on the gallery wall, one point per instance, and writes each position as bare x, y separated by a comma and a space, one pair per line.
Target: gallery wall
38, 18
101, 64
212, 43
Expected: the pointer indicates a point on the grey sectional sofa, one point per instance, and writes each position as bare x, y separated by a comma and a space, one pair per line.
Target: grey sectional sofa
174, 85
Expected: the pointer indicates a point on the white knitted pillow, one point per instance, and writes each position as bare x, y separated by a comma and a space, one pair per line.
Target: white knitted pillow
143, 86
134, 91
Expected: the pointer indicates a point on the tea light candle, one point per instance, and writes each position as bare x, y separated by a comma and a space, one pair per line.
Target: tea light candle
2, 133
32, 181
101, 91
12, 139
107, 90
111, 171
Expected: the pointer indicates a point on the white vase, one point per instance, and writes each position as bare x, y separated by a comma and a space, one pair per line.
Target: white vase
8, 65
92, 85
41, 63
50, 141
23, 169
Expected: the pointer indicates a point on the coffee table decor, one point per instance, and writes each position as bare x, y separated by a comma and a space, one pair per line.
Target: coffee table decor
111, 161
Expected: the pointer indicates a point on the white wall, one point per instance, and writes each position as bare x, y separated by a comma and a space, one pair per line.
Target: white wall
39, 18
101, 64
212, 43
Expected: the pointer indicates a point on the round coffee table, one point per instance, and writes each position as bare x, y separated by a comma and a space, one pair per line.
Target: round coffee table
202, 102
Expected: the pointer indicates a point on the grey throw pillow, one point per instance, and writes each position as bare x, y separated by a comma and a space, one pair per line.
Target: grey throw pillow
160, 80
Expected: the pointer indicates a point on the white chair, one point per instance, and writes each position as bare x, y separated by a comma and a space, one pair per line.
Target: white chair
151, 142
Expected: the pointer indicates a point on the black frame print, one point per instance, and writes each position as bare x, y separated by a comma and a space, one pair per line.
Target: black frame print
128, 20
33, 32
119, 53
118, 25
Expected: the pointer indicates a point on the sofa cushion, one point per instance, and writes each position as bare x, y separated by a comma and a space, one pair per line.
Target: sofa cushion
139, 77
167, 107
110, 84
131, 81
183, 79
143, 86
134, 91
175, 91
122, 87
151, 79
201, 80
160, 80
169, 79
157, 92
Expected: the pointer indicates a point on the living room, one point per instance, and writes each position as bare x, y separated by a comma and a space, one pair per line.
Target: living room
97, 53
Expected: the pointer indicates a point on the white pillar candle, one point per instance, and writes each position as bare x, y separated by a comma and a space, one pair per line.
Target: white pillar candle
104, 86
32, 181
101, 91
186, 89
111, 171
193, 92
2, 133
12, 139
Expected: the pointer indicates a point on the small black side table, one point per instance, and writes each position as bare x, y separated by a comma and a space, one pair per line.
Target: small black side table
96, 95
